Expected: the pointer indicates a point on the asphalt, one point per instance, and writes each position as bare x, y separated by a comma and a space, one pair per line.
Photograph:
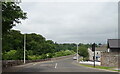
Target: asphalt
62, 65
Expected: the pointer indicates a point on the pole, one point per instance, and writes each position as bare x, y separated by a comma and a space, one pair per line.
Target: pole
94, 58
93, 49
24, 46
77, 52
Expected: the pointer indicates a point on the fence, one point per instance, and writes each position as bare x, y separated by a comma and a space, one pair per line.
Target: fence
110, 59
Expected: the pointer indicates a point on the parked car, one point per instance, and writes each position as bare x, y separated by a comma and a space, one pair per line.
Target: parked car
75, 58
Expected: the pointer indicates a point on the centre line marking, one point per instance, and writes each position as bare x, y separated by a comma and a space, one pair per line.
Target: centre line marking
56, 65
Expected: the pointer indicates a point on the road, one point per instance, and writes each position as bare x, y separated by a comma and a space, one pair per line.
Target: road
62, 65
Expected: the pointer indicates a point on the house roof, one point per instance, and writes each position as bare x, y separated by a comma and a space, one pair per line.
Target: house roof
113, 43
101, 48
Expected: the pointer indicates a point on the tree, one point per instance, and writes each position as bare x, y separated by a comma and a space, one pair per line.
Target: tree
12, 41
11, 14
50, 42
82, 51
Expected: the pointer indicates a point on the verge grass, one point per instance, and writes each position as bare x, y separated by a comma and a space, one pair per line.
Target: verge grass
100, 67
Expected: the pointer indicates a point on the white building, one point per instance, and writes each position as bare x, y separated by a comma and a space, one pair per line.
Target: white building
98, 51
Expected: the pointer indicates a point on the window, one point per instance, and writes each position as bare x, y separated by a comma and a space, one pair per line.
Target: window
97, 52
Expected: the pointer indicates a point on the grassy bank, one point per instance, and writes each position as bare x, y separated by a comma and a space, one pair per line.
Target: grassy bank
101, 67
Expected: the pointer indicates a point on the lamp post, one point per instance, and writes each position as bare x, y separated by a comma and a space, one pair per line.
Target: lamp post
24, 47
77, 52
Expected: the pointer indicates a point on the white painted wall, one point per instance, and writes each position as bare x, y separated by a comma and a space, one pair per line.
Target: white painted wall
91, 54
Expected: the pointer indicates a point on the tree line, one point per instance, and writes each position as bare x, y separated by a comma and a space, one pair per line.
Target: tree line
37, 47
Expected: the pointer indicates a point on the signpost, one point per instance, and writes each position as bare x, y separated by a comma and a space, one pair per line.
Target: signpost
93, 49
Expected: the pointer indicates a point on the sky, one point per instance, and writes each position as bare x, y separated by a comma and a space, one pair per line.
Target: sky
71, 22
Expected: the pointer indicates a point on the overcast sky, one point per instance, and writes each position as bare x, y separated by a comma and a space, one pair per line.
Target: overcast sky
71, 22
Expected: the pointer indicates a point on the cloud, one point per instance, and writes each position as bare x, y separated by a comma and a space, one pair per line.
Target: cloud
71, 21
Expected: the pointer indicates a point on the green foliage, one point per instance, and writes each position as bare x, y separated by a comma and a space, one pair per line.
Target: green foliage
80, 59
29, 52
13, 40
11, 14
64, 53
58, 54
43, 56
37, 47
34, 57
50, 55
19, 55
10, 55
85, 58
100, 67
65, 46
82, 51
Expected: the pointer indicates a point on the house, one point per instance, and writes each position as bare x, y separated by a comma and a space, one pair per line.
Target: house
111, 58
113, 45
98, 50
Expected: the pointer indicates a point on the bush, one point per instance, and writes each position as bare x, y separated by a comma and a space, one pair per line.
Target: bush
50, 55
11, 55
29, 52
86, 59
37, 57
34, 57
80, 59
43, 56
64, 53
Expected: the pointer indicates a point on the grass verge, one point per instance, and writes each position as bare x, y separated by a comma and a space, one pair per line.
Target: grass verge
101, 67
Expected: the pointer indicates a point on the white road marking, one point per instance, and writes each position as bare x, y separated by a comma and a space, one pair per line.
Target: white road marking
56, 65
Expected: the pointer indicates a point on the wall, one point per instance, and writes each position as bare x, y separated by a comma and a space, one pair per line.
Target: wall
114, 50
110, 59
10, 63
91, 54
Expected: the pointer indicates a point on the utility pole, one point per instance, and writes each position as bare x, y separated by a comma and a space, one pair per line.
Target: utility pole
94, 58
77, 52
93, 49
24, 46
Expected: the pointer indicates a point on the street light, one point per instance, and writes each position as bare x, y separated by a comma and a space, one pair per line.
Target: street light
24, 47
77, 52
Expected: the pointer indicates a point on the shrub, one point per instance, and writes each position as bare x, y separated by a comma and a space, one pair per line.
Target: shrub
64, 53
10, 55
34, 57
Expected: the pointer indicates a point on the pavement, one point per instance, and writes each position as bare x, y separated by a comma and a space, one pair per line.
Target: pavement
62, 65
90, 62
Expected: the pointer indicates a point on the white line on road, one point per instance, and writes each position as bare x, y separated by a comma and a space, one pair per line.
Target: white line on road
56, 65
